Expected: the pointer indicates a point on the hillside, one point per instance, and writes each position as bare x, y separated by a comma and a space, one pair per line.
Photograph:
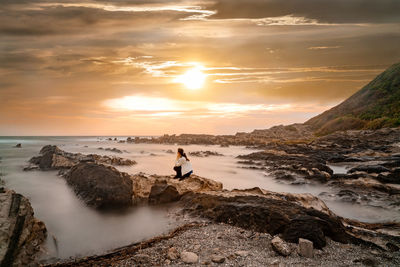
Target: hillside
375, 106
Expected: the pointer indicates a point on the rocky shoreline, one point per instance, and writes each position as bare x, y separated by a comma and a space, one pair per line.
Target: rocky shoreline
201, 244
295, 228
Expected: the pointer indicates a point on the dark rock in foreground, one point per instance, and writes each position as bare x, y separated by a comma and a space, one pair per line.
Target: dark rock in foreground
100, 186
21, 234
269, 213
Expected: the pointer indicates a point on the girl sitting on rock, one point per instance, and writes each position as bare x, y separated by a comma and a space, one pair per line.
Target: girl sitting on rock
183, 167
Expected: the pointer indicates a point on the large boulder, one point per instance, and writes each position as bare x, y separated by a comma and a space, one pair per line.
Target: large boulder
21, 234
272, 213
100, 186
145, 184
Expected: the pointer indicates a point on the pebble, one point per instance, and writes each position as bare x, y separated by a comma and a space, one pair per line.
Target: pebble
305, 248
280, 246
189, 257
242, 253
217, 258
172, 253
275, 263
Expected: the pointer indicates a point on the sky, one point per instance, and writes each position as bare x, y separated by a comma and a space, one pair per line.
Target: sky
161, 67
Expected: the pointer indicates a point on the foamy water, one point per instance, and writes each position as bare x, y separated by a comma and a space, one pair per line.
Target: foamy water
80, 230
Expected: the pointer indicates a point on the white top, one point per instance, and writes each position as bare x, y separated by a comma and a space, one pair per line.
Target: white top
185, 164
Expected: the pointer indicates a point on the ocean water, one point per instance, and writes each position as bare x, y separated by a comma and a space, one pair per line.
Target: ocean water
80, 230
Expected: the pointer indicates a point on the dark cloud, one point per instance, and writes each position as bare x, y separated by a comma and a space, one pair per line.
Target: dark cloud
329, 11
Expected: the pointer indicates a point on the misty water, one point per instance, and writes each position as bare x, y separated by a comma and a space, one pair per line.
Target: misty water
80, 230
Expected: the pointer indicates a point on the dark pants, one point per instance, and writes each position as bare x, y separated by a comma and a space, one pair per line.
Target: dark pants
178, 170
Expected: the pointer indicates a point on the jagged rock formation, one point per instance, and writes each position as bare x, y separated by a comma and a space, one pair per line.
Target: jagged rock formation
21, 234
53, 158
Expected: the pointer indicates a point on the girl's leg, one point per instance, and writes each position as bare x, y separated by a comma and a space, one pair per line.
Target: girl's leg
178, 170
186, 175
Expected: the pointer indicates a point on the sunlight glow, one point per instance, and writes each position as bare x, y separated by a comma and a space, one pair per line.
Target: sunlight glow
141, 103
193, 78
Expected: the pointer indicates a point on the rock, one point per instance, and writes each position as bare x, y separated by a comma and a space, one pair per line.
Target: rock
217, 258
204, 153
21, 234
143, 185
163, 193
115, 150
348, 195
280, 246
172, 253
189, 257
369, 169
288, 214
100, 186
305, 248
390, 178
306, 227
53, 158
275, 263
18, 145
242, 253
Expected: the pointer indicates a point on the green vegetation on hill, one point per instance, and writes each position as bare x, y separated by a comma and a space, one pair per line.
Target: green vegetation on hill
375, 106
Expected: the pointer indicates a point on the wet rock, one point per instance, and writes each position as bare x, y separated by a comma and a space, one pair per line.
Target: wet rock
21, 234
348, 195
172, 253
18, 146
189, 257
305, 248
218, 258
369, 169
100, 186
163, 193
392, 177
280, 246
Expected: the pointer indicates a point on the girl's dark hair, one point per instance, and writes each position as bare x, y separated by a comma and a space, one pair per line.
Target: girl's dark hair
182, 153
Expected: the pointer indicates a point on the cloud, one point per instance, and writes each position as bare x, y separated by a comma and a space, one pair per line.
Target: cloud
140, 105
324, 11
324, 47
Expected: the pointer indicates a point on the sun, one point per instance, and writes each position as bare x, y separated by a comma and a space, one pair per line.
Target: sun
193, 78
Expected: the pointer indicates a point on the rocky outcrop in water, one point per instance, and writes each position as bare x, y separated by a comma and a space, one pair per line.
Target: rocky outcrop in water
206, 153
115, 150
21, 234
100, 186
53, 158
257, 137
371, 157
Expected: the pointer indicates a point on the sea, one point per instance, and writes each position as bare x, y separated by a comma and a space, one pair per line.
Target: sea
75, 230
